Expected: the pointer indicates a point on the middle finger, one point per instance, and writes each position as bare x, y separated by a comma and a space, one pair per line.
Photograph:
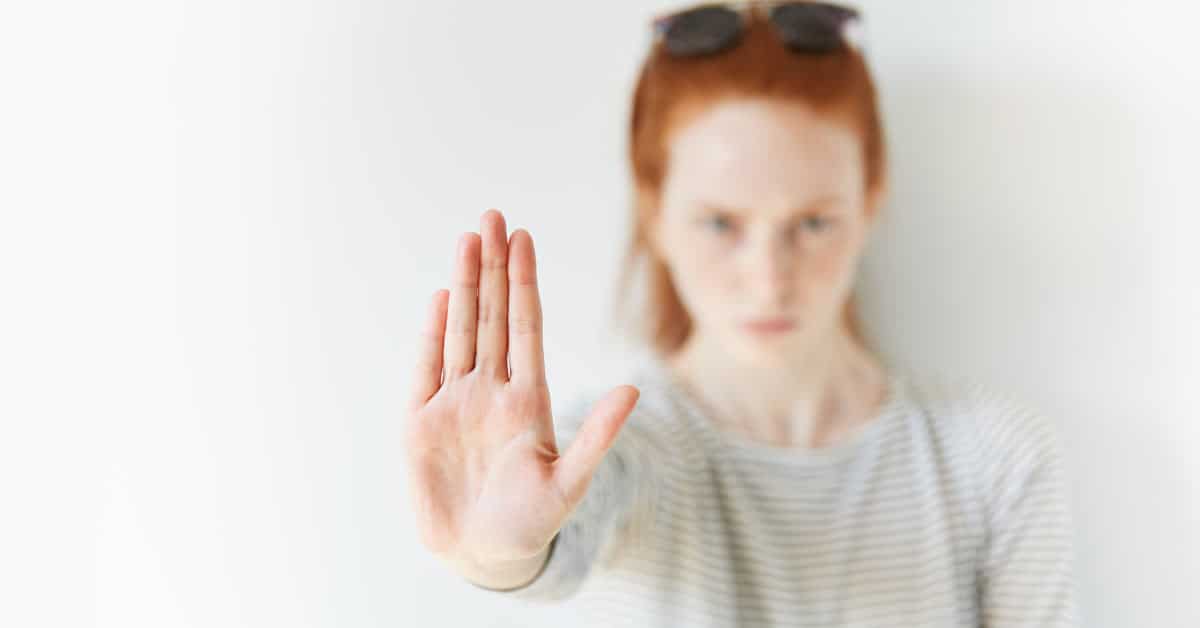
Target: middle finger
491, 344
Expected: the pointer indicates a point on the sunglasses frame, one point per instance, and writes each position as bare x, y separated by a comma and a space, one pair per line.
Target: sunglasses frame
852, 32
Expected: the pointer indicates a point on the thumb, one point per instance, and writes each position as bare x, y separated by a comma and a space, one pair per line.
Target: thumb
575, 468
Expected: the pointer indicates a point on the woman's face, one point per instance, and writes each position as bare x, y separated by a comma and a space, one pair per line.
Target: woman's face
763, 215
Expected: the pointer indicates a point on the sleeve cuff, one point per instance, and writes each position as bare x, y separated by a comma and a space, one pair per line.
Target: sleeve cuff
536, 577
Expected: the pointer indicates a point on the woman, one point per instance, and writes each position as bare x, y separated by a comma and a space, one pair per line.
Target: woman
765, 468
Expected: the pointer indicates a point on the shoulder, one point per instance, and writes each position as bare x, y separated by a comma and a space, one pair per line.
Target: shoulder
966, 408
1004, 440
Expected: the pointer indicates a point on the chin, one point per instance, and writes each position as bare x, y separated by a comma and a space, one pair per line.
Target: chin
762, 350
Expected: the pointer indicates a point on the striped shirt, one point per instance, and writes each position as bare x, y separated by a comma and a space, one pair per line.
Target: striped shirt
946, 509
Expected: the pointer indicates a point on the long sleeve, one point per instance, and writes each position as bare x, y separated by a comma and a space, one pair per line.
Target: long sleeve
949, 510
1027, 572
614, 512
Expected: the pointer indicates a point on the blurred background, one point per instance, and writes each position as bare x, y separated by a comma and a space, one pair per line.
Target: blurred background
220, 223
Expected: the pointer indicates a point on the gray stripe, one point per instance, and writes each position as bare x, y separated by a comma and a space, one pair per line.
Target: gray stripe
952, 513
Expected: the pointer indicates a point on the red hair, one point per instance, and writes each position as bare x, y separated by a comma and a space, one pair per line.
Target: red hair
670, 90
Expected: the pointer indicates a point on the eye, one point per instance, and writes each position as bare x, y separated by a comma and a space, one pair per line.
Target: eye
817, 223
719, 223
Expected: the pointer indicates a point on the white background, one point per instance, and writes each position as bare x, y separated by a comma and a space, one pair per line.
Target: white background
220, 223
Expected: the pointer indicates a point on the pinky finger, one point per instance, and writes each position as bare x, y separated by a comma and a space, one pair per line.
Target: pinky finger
427, 376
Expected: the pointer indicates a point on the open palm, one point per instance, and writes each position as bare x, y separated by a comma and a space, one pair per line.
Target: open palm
487, 480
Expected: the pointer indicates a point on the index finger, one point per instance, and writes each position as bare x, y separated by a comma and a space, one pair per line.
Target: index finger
524, 313
427, 374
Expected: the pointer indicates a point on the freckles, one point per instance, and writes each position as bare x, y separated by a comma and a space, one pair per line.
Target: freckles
710, 271
827, 259
824, 268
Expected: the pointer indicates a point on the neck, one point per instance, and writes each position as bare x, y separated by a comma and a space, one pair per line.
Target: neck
815, 396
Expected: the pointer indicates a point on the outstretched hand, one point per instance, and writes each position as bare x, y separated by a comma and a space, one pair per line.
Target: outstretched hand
489, 487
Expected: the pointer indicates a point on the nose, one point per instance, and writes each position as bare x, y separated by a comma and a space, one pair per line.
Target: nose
771, 268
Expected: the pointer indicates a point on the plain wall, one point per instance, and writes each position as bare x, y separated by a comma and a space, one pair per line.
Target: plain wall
220, 223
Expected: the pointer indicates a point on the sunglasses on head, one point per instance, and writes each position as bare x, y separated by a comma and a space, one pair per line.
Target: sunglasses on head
804, 27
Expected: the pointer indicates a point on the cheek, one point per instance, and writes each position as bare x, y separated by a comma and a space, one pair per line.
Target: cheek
829, 264
826, 264
705, 272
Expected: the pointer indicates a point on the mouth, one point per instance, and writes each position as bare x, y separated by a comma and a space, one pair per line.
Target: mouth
769, 325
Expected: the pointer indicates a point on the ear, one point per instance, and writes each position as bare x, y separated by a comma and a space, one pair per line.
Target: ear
653, 230
654, 234
876, 197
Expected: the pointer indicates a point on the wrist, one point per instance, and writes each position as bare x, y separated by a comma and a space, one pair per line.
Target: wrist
510, 575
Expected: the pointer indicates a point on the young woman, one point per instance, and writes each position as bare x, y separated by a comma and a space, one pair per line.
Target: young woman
765, 467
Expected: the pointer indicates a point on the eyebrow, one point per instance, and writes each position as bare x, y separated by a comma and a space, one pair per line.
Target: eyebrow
820, 202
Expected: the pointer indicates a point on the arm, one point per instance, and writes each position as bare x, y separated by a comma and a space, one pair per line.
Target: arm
1027, 573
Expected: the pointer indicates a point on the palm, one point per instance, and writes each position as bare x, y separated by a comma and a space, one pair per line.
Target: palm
490, 465
487, 480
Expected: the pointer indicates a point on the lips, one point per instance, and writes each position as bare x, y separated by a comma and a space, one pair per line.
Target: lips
769, 325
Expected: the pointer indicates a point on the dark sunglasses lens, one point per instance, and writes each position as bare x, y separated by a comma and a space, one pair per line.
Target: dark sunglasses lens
702, 31
811, 26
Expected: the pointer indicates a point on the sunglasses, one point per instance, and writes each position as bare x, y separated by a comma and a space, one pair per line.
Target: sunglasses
804, 27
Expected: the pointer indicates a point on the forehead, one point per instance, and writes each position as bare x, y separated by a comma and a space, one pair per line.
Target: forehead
753, 151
